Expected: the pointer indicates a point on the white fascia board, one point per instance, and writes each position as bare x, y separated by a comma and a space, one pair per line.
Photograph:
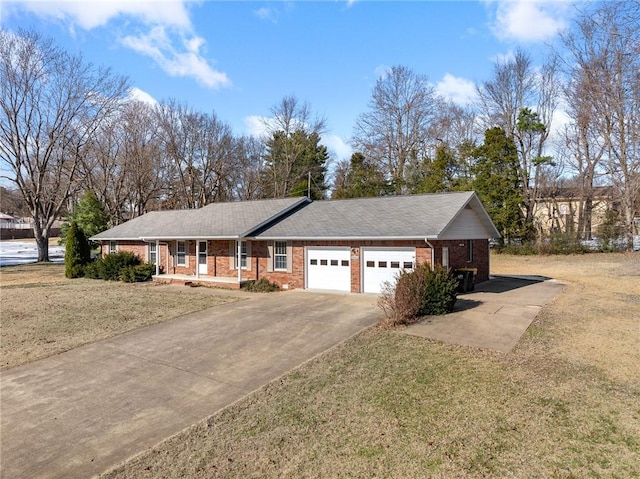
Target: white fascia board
341, 238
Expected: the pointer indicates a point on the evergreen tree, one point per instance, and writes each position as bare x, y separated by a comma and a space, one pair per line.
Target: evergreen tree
295, 165
77, 252
90, 216
362, 179
499, 186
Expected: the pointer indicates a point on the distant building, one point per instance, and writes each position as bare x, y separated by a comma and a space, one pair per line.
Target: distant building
562, 209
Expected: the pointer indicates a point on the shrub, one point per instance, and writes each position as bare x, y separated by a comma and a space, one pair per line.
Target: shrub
440, 293
113, 263
137, 273
77, 252
417, 293
93, 270
260, 286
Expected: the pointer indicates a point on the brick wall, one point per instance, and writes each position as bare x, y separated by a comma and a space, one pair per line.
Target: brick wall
458, 256
220, 261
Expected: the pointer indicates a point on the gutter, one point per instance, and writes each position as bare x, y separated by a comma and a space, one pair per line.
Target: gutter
433, 250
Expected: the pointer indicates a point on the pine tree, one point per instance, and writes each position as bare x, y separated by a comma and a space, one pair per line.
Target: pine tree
77, 252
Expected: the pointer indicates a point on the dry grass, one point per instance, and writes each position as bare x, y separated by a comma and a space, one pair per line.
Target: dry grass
564, 404
43, 313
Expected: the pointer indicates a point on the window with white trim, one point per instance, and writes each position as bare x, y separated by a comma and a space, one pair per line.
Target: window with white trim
153, 253
113, 247
280, 255
181, 253
469, 251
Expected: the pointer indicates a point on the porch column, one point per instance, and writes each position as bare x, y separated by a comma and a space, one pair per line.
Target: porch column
239, 261
158, 257
197, 259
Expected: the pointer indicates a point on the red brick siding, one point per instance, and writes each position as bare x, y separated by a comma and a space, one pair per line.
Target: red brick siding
220, 263
458, 256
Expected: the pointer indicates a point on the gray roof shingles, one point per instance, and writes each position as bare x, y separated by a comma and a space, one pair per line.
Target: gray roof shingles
217, 220
414, 216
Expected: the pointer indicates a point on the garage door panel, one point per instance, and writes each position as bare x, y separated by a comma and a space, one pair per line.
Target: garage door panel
329, 268
383, 265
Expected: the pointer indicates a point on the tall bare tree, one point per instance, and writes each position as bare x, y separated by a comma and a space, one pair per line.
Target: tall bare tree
398, 128
604, 46
51, 105
522, 99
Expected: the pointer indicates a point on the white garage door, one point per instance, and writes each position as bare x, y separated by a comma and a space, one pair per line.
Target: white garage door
383, 264
329, 268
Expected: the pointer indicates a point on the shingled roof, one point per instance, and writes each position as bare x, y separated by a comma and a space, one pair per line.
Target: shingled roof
217, 220
430, 216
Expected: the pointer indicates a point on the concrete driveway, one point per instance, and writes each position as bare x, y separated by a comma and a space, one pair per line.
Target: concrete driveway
494, 316
79, 413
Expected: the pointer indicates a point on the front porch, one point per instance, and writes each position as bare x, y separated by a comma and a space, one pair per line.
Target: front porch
224, 282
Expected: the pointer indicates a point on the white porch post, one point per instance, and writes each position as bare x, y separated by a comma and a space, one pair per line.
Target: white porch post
158, 257
197, 259
239, 260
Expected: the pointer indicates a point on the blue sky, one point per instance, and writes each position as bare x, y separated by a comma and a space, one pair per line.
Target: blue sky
240, 58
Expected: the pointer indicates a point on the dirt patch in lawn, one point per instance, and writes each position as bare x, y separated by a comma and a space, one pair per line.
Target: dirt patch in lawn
564, 403
43, 313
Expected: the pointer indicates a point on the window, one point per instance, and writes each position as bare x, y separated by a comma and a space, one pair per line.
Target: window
407, 265
395, 264
280, 255
371, 264
181, 253
314, 262
152, 256
345, 262
334, 262
113, 247
323, 262
469, 251
382, 264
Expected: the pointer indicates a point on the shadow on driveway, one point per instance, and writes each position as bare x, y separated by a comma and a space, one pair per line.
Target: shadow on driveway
494, 316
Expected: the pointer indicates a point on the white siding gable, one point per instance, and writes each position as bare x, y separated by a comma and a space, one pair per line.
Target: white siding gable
468, 224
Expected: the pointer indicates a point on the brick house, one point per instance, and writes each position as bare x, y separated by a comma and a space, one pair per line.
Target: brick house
352, 245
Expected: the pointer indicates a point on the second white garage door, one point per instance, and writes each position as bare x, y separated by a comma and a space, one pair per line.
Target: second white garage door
329, 268
383, 264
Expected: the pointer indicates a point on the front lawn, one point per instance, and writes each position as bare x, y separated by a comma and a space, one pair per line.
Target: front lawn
43, 313
565, 403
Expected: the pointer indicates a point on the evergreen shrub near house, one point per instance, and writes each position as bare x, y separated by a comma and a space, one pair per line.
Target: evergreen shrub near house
423, 291
137, 273
121, 266
77, 253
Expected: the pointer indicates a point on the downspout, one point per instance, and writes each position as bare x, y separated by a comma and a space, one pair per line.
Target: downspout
433, 253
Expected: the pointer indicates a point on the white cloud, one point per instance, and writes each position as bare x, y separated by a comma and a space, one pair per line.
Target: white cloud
458, 90
265, 13
180, 63
338, 146
529, 20
89, 15
256, 125
167, 32
137, 94
382, 71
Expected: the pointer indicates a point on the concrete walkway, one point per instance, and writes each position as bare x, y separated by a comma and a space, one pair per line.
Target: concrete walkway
494, 316
81, 412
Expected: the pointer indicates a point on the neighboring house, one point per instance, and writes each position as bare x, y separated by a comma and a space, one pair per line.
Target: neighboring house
558, 210
352, 245
7, 221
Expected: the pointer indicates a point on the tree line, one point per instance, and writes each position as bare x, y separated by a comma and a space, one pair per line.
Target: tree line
70, 127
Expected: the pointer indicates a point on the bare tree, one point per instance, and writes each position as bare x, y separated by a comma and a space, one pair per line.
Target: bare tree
398, 128
522, 100
200, 149
52, 104
604, 51
246, 176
